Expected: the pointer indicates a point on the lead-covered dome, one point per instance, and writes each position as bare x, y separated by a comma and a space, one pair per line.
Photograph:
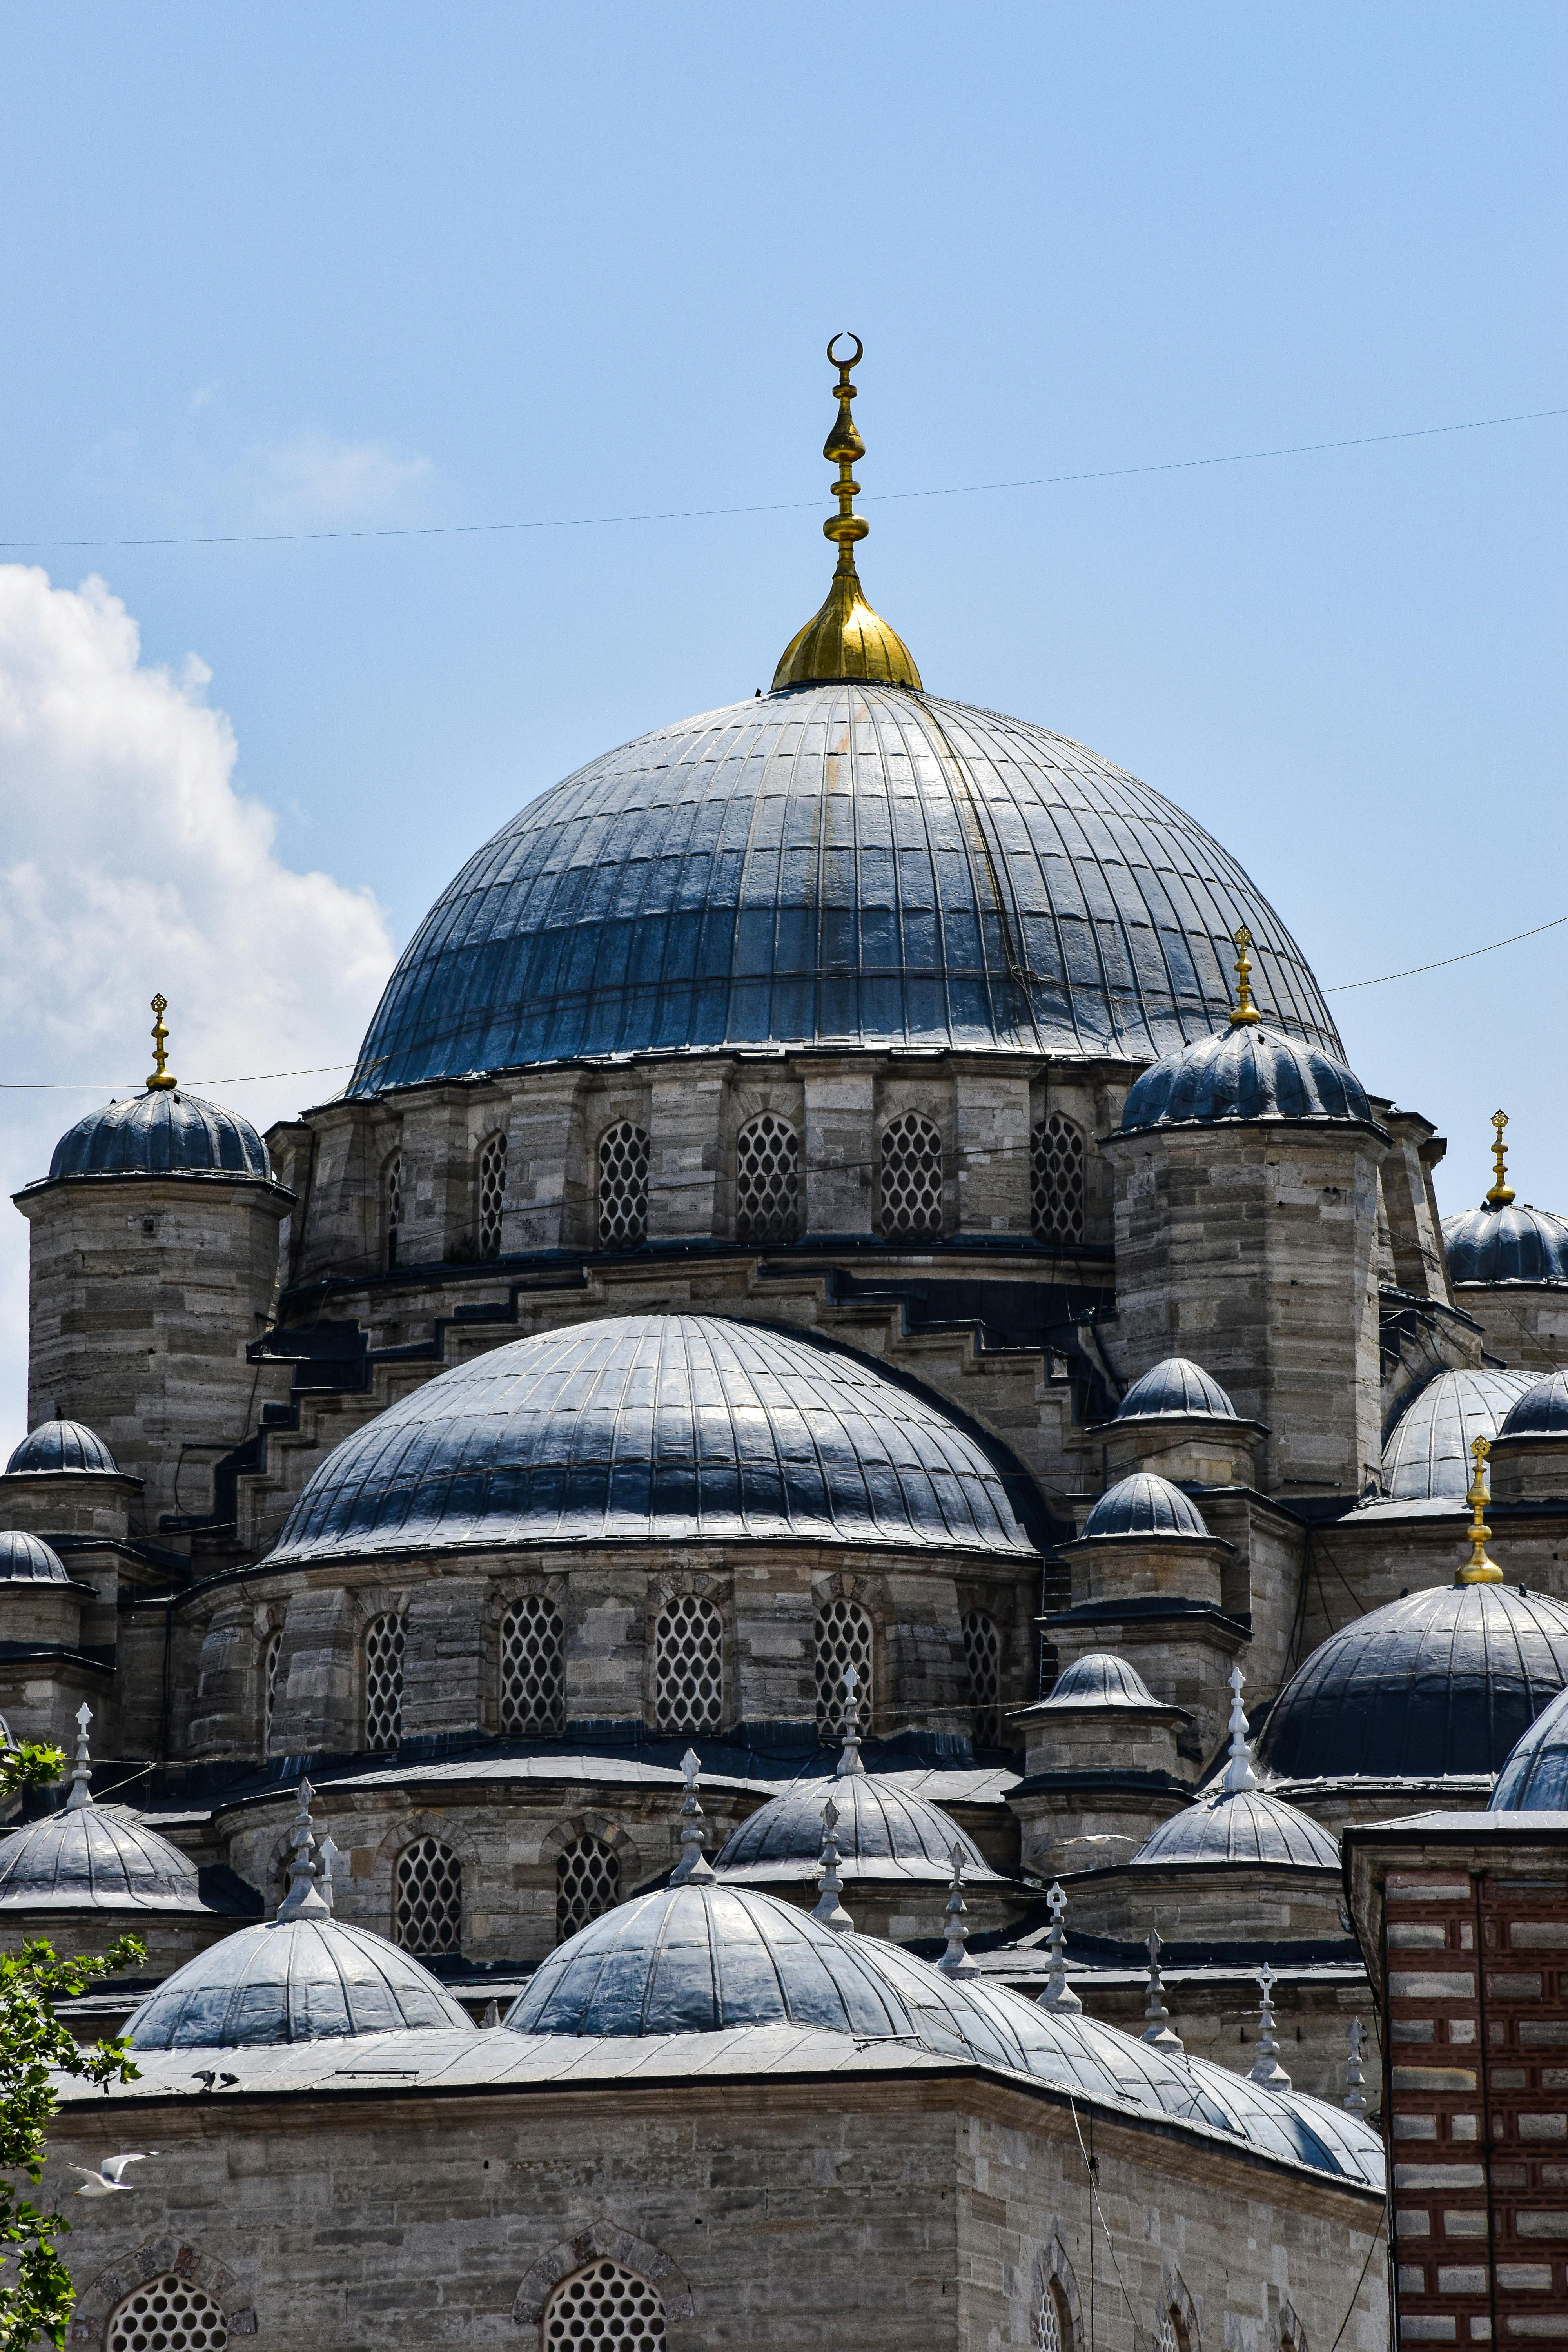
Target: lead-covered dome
89, 1857
1177, 1385
164, 1132
1535, 1778
292, 1980
1517, 1244
1541, 1412
1245, 1829
1427, 1444
28, 1560
62, 1446
883, 1833
644, 1428
844, 864
1144, 1504
1244, 1075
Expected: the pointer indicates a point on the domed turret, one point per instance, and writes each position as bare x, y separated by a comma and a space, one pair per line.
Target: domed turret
1509, 1244
1236, 1823
1426, 1446
161, 1135
1177, 1385
1099, 1680
1541, 1412
61, 1448
1145, 1504
1530, 1453
1244, 1074
27, 1559
1535, 1778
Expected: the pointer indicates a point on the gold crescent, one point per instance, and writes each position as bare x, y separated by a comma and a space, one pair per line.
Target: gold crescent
860, 349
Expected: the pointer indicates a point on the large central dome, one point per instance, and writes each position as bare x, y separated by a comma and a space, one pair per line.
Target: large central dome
839, 864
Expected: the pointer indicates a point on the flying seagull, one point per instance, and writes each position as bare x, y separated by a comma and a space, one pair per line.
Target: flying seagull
106, 2182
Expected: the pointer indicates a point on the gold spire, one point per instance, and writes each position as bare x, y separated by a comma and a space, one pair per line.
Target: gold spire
845, 638
1243, 1012
162, 1077
1501, 1193
1479, 1568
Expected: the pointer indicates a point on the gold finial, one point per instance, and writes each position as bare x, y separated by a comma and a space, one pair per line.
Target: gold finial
162, 1077
1479, 1568
1501, 1193
845, 638
1243, 1012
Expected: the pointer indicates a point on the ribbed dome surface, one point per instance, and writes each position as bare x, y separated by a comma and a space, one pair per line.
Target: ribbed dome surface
655, 1427
62, 1446
27, 1559
1248, 1828
292, 1980
1541, 1412
1535, 1778
1442, 1682
842, 863
161, 1134
1177, 1385
1518, 1244
882, 1833
1144, 1504
1426, 1445
1242, 1074
99, 1857
1100, 1679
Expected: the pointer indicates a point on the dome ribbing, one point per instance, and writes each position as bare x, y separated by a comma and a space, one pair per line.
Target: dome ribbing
1427, 1444
67, 1445
1244, 1075
1144, 1504
1177, 1385
162, 1134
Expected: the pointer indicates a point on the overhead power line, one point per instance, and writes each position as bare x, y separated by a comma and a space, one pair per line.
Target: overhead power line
1341, 986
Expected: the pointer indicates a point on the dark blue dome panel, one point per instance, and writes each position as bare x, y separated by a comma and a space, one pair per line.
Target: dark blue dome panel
1513, 1244
1240, 1075
58, 1445
1541, 1412
1177, 1385
165, 1133
1426, 1445
1144, 1504
1535, 1778
28, 1560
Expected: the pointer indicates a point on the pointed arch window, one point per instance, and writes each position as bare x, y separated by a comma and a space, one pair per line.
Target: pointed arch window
427, 1914
1058, 1163
170, 2314
532, 1668
587, 1883
392, 1204
384, 1643
491, 1181
983, 1657
271, 1659
623, 1186
688, 1665
605, 2305
843, 1638
912, 1179
767, 1180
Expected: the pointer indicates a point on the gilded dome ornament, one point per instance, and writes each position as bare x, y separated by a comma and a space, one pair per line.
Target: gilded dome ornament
1501, 1193
162, 1079
1479, 1569
1243, 1012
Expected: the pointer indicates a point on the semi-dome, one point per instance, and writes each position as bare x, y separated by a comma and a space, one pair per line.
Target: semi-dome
644, 1428
28, 1560
1144, 1504
67, 1445
1535, 1778
162, 1132
307, 1980
1242, 1074
841, 864
1427, 1444
1249, 1828
1177, 1385
882, 1833
1440, 1682
1100, 1678
1541, 1412
95, 1857
1512, 1243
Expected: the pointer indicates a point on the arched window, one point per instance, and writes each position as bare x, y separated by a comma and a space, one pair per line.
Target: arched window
392, 1204
605, 2305
843, 1638
428, 1912
1053, 2323
532, 1667
1057, 1160
767, 1180
983, 1655
587, 1882
170, 2314
688, 1665
623, 1186
912, 1179
272, 1656
492, 1193
1172, 2335
383, 1682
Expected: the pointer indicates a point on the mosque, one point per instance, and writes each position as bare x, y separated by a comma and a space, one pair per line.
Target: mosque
721, 1627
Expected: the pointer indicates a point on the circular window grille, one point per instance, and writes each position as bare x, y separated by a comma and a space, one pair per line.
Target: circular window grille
983, 1654
768, 1181
271, 1657
533, 1666
1057, 1163
587, 1881
168, 2314
429, 1898
393, 1189
623, 1185
688, 1665
492, 1193
843, 1638
383, 1682
912, 1179
605, 2305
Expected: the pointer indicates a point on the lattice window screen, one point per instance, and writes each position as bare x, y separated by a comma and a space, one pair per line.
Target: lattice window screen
605, 2305
1057, 1178
587, 1881
392, 1203
688, 1665
982, 1654
767, 1180
1172, 2335
271, 1657
1050, 2334
168, 2314
532, 1667
429, 1908
492, 1193
912, 1179
843, 1638
383, 1682
623, 1185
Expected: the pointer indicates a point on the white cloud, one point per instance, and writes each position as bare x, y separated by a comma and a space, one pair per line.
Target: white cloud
131, 864
316, 478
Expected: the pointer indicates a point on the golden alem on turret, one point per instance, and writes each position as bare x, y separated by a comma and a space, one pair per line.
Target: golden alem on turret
845, 638
1479, 1569
1243, 1012
162, 1078
1501, 1193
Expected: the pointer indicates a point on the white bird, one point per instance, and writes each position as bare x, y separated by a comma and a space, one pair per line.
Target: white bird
107, 2181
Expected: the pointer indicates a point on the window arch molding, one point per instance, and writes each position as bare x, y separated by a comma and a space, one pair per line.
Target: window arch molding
1176, 2329
1055, 2290
100, 2300
1289, 2333
601, 2242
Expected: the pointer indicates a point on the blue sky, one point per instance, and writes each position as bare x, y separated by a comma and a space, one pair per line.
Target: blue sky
307, 269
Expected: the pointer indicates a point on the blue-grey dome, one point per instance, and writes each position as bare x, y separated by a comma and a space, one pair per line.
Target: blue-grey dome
160, 1133
1535, 1778
1249, 1828
1443, 1681
882, 1833
1541, 1412
1241, 1075
1513, 1244
27, 1559
96, 1858
1144, 1504
1100, 1679
1177, 1385
845, 865
62, 1446
1426, 1445
292, 1980
664, 1428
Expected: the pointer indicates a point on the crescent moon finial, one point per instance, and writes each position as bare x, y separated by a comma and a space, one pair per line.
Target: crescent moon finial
859, 351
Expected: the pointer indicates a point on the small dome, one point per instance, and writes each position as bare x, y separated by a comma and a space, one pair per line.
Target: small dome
160, 1133
62, 1446
1541, 1412
1177, 1385
882, 1833
1244, 1075
1144, 1504
95, 1857
1427, 1444
1100, 1679
1443, 1681
292, 1980
27, 1559
662, 1428
1535, 1778
1518, 1244
1249, 1827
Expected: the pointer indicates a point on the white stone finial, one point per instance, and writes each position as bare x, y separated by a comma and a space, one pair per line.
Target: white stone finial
1058, 1996
492, 2016
955, 1961
1158, 2031
1240, 1775
81, 1771
849, 1754
828, 1909
693, 1869
1265, 2066
303, 1900
1355, 2079
327, 1854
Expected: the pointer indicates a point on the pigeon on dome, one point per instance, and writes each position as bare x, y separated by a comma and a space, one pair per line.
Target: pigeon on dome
1175, 1386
